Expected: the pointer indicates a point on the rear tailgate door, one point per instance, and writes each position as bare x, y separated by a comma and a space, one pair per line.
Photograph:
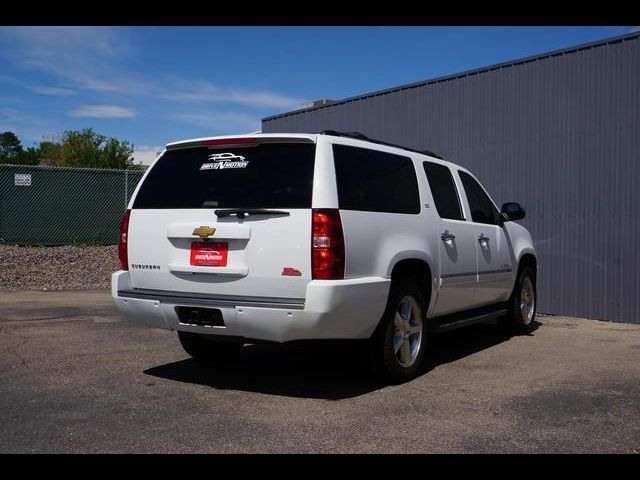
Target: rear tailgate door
228, 219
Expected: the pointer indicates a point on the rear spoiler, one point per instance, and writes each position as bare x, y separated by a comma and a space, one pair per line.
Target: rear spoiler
236, 142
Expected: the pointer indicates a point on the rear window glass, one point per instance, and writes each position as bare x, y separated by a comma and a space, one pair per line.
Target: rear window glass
264, 176
443, 189
375, 181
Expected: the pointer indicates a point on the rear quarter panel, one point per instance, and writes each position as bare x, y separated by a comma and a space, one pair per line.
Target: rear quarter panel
375, 241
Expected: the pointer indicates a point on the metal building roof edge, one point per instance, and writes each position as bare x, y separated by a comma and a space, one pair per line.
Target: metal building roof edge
466, 73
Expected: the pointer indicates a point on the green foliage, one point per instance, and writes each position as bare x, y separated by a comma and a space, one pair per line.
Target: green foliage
117, 154
49, 150
86, 148
10, 147
30, 156
11, 151
75, 148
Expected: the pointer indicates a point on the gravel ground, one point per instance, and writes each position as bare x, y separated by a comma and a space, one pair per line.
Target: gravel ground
57, 268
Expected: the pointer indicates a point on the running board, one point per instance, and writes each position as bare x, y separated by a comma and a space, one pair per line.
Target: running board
451, 322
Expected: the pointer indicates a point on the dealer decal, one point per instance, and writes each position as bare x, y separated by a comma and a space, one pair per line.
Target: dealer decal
225, 160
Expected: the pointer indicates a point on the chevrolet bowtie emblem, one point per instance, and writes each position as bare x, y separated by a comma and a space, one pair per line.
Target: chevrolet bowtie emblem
204, 231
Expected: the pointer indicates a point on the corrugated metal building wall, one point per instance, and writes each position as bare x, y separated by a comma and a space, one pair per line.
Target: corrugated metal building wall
558, 132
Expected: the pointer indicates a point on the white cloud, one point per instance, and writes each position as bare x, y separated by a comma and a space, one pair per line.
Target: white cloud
88, 58
9, 114
145, 154
61, 50
53, 91
219, 123
634, 29
84, 57
183, 90
81, 60
102, 111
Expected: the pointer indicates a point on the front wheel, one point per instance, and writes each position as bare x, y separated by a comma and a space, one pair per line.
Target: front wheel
398, 345
522, 304
201, 348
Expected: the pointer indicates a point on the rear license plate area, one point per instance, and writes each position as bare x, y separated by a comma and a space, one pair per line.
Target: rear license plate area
204, 317
209, 254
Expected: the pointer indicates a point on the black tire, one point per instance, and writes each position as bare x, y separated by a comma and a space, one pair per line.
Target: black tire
517, 322
201, 348
386, 361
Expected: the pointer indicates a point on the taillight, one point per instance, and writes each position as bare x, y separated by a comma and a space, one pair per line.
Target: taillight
327, 247
124, 241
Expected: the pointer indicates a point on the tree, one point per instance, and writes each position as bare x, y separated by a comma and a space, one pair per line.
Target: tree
30, 156
74, 148
86, 148
81, 148
50, 153
10, 147
116, 154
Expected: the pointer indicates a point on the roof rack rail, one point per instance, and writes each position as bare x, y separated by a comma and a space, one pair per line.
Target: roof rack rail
335, 133
362, 136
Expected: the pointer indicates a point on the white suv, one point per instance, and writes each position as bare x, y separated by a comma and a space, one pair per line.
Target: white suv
283, 237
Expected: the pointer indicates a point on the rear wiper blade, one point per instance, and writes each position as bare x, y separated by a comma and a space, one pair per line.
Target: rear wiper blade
243, 212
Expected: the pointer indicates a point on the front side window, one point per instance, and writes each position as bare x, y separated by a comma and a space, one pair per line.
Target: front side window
482, 208
374, 181
443, 189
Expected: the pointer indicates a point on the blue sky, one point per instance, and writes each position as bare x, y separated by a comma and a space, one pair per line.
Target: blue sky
153, 85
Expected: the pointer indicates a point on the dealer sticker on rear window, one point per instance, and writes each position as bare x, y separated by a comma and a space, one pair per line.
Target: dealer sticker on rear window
225, 160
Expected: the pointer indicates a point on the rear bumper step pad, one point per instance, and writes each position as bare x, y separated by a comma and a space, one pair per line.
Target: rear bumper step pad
229, 301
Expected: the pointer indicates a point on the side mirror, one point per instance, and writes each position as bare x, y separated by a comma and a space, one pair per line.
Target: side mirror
513, 211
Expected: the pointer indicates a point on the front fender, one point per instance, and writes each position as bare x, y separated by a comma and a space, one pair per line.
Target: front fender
520, 240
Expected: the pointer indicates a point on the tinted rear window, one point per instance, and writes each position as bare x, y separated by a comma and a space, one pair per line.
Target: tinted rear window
443, 188
375, 181
265, 176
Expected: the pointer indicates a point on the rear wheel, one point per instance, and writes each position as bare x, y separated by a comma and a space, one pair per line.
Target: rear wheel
522, 304
202, 348
398, 344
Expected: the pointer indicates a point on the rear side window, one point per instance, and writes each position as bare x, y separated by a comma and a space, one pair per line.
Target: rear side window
443, 188
374, 181
481, 206
263, 176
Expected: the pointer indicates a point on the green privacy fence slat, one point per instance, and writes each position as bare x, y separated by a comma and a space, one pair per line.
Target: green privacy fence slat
63, 206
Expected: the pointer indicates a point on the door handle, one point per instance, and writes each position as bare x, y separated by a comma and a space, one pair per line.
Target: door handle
447, 237
484, 240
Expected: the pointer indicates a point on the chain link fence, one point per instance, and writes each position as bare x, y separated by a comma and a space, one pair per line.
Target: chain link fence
63, 206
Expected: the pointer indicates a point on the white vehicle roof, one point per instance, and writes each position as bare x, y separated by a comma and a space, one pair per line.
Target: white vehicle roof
313, 138
309, 136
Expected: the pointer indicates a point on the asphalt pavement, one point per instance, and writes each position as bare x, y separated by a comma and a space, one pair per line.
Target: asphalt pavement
74, 377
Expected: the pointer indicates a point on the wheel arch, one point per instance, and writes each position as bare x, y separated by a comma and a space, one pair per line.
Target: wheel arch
528, 259
419, 267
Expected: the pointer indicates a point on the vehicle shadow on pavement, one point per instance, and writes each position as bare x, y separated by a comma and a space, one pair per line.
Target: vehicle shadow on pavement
450, 346
323, 370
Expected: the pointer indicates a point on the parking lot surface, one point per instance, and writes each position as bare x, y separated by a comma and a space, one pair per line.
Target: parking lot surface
76, 378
